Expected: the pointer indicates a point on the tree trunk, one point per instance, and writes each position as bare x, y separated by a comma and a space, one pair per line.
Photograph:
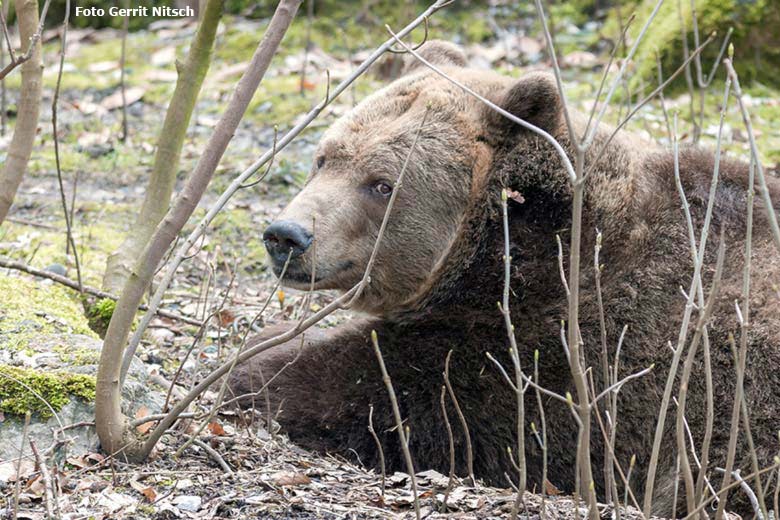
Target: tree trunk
169, 143
111, 424
29, 108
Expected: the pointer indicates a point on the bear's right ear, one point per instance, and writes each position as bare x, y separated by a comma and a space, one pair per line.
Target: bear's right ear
533, 98
436, 52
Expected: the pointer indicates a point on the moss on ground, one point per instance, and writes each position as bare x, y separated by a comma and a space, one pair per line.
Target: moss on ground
25, 390
100, 235
30, 309
78, 356
754, 22
99, 315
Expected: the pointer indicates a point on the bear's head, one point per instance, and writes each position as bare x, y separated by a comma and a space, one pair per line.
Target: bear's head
329, 229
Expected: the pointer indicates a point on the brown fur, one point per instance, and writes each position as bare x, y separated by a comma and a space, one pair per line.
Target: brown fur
439, 275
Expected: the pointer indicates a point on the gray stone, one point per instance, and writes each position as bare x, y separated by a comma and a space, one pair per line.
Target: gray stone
74, 353
188, 502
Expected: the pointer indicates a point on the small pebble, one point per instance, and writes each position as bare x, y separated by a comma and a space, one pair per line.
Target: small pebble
57, 269
187, 502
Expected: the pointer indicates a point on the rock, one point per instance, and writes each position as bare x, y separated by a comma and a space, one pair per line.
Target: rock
57, 269
43, 333
189, 503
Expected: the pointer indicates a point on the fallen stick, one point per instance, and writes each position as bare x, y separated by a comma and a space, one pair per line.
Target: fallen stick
73, 284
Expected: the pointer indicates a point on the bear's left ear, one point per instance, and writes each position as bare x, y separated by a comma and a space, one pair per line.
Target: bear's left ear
533, 98
437, 52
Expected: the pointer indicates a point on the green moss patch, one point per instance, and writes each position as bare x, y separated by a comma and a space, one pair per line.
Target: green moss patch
757, 50
19, 386
30, 309
99, 315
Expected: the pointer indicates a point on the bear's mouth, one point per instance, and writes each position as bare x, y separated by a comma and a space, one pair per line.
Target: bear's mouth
298, 278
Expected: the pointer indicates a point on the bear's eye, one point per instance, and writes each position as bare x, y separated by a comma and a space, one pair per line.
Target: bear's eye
320, 161
383, 188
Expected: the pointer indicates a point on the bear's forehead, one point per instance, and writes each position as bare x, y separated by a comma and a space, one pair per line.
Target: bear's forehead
400, 106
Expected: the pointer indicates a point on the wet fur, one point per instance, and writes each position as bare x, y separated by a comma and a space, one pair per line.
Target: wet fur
632, 199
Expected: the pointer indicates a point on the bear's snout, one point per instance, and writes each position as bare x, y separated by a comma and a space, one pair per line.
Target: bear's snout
284, 239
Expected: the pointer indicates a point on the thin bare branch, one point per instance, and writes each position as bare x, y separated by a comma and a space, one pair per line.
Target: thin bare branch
379, 449
399, 424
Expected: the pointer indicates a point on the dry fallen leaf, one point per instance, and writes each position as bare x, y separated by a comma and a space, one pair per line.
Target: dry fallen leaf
515, 196
290, 478
35, 486
78, 462
147, 491
550, 489
226, 317
216, 429
114, 101
145, 427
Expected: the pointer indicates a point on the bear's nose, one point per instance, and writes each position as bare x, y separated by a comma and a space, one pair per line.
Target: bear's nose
286, 238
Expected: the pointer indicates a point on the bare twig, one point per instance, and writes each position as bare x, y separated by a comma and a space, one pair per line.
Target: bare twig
402, 433
607, 68
747, 490
418, 45
745, 326
451, 440
122, 72
70, 243
461, 418
307, 44
682, 337
529, 382
768, 207
640, 104
48, 488
379, 449
543, 423
725, 490
18, 484
610, 485
515, 355
108, 415
214, 454
734, 430
623, 66
265, 386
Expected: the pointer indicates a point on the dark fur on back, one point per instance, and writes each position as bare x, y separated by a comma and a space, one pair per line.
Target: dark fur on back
633, 201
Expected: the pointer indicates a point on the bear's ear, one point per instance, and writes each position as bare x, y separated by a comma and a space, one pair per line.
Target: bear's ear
437, 52
533, 98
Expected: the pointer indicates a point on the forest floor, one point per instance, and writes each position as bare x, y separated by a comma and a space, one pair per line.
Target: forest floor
268, 476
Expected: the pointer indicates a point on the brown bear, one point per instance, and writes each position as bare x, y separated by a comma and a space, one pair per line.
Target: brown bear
439, 275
